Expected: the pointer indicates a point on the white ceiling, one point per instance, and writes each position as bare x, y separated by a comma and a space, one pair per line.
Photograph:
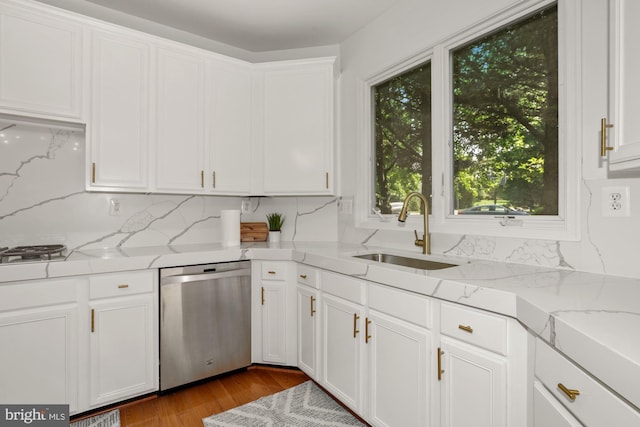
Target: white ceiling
259, 25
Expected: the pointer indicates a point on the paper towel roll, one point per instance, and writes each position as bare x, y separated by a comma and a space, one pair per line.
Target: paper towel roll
230, 221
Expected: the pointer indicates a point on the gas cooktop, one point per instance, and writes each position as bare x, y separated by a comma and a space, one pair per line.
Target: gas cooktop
32, 253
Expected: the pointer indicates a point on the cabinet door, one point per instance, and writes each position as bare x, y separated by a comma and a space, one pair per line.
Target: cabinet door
473, 386
122, 348
119, 112
398, 372
40, 63
624, 85
179, 127
308, 327
230, 151
548, 412
274, 339
38, 356
342, 350
298, 129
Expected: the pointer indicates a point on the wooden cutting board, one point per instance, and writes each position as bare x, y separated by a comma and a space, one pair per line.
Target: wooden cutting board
253, 232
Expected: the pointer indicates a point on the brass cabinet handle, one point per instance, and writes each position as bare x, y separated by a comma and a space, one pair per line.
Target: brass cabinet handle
571, 394
93, 172
466, 328
213, 179
603, 137
202, 178
440, 370
326, 180
93, 320
123, 286
367, 337
303, 276
313, 309
355, 324
263, 295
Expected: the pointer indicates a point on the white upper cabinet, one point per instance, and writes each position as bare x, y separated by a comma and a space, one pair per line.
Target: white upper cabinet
119, 131
297, 126
229, 128
40, 63
179, 122
624, 136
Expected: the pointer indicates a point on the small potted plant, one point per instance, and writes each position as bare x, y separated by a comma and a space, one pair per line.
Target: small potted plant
275, 221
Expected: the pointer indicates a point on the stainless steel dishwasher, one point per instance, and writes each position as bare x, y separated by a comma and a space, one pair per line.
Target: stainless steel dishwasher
205, 321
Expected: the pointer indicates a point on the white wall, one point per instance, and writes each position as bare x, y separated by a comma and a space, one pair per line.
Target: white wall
606, 244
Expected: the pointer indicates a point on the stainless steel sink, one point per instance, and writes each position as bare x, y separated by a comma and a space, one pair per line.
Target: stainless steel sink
423, 264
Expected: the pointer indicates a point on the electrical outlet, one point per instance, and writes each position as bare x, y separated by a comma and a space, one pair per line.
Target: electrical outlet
114, 207
345, 206
616, 201
245, 206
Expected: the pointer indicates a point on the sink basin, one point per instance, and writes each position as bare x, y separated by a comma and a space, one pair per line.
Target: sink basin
423, 264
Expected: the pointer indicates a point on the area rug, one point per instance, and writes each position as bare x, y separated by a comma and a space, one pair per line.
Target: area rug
304, 405
107, 419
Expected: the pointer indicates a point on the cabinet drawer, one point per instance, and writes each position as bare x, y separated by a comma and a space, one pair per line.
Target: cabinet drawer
274, 270
38, 293
403, 305
307, 275
595, 405
343, 286
474, 327
119, 284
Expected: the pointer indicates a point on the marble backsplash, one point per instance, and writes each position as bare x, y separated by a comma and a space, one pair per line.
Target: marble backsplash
43, 201
607, 245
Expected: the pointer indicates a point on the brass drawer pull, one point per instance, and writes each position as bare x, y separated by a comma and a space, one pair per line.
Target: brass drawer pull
124, 286
367, 337
603, 137
571, 394
271, 272
303, 276
355, 324
466, 328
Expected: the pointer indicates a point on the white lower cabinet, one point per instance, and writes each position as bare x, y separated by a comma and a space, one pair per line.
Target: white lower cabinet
342, 350
382, 347
308, 322
473, 386
86, 341
39, 336
375, 360
398, 371
273, 327
564, 393
123, 357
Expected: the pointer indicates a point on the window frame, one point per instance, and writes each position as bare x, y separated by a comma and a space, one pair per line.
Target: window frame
564, 226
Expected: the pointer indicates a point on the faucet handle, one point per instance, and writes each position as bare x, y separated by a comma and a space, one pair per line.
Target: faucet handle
419, 241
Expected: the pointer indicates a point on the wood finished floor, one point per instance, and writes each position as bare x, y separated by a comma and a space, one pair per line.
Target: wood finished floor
188, 406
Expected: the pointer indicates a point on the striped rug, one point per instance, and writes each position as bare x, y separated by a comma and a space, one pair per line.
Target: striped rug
107, 419
304, 405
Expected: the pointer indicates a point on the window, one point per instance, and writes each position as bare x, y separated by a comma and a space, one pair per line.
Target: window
505, 119
402, 136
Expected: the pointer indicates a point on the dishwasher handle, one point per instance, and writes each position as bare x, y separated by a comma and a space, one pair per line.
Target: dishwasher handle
185, 278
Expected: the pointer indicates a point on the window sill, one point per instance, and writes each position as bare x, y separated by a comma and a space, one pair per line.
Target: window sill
546, 228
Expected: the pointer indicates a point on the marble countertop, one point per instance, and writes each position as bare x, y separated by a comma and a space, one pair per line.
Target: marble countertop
592, 319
